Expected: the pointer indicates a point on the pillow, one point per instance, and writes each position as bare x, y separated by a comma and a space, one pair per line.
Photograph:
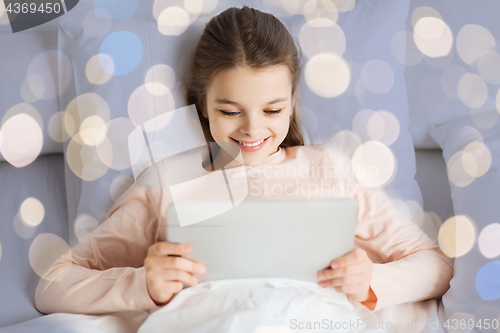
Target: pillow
368, 95
434, 71
29, 85
34, 221
473, 161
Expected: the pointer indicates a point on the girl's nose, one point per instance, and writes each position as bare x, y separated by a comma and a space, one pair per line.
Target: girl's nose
251, 127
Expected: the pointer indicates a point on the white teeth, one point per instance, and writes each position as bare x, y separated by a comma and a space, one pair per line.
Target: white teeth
252, 144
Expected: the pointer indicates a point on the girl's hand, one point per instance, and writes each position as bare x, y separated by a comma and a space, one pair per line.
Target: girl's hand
165, 274
350, 274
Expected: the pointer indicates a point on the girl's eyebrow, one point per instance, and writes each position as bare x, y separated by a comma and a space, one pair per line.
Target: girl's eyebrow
227, 101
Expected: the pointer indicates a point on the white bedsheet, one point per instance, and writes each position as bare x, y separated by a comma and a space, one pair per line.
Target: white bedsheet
257, 305
281, 305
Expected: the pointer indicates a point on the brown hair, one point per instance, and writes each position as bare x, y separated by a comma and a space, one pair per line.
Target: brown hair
237, 38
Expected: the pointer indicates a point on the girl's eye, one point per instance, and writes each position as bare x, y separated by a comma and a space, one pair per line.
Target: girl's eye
237, 113
229, 113
273, 111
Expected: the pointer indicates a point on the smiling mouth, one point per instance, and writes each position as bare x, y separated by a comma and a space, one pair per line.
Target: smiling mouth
253, 144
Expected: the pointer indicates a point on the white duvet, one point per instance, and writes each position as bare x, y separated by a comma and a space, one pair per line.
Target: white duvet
257, 305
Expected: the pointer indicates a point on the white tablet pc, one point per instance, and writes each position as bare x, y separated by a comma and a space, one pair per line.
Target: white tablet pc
287, 238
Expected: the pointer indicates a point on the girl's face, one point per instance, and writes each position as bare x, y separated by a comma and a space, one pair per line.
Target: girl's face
251, 109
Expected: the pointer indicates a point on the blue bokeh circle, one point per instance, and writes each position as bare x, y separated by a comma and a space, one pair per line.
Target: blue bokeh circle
126, 50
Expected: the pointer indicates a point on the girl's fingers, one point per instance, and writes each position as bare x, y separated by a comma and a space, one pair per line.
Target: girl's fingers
166, 248
343, 271
179, 263
355, 256
345, 281
177, 275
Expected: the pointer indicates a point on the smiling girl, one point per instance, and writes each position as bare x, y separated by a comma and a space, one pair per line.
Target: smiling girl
243, 81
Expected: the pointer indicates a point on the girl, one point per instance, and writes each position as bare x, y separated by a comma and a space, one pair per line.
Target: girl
243, 81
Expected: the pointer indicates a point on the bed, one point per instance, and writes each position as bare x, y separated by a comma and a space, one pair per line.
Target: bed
424, 96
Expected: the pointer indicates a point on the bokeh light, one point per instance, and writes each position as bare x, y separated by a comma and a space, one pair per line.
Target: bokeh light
440, 62
22, 229
160, 79
327, 75
119, 186
476, 159
383, 126
344, 5
464, 136
488, 240
143, 106
487, 285
449, 80
23, 108
373, 164
82, 107
84, 225
472, 41
346, 141
322, 35
424, 11
26, 92
84, 161
95, 73
56, 129
91, 130
173, 21
433, 37
45, 249
193, 7
472, 90
377, 76
323, 9
360, 123
291, 7
32, 211
22, 137
125, 49
457, 236
488, 67
49, 73
113, 143
456, 172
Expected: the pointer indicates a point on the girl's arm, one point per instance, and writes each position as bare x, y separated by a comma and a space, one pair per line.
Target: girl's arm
413, 267
410, 267
104, 272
